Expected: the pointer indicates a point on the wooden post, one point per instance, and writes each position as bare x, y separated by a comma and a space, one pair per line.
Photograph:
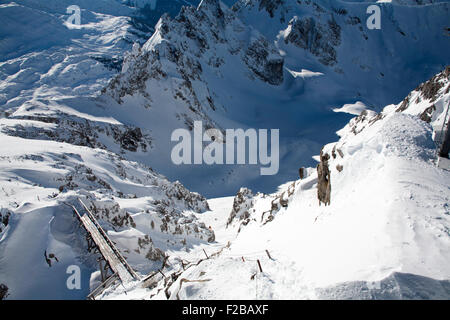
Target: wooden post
102, 272
243, 260
259, 265
283, 203
268, 254
159, 270
205, 254
164, 261
301, 173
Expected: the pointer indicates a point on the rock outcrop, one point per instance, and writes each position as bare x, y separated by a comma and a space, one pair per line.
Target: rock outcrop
243, 202
315, 37
3, 291
184, 50
4, 219
323, 179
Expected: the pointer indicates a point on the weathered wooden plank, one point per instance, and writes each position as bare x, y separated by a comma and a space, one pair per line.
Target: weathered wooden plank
106, 250
109, 242
102, 287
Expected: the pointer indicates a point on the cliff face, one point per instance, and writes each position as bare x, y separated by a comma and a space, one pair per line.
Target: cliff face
332, 37
197, 42
317, 38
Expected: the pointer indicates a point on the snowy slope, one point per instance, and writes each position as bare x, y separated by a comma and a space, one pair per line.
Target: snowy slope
332, 37
142, 212
230, 68
52, 154
88, 111
197, 68
385, 234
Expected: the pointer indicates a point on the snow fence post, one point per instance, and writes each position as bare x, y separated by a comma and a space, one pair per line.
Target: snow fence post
259, 265
159, 270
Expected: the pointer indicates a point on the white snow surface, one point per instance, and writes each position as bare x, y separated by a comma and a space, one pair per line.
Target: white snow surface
352, 108
386, 234
67, 131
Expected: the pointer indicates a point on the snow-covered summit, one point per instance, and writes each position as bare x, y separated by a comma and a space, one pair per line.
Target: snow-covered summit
206, 37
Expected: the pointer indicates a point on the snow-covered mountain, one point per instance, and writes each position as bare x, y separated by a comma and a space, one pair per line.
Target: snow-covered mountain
52, 155
384, 234
257, 65
143, 213
262, 64
87, 112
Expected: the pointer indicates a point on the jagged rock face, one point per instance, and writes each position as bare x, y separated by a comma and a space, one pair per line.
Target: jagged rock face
192, 200
110, 211
3, 291
270, 5
61, 173
319, 39
430, 89
4, 219
130, 139
167, 218
154, 254
183, 48
367, 117
257, 59
427, 114
429, 101
242, 203
145, 244
323, 179
335, 35
78, 131
136, 70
